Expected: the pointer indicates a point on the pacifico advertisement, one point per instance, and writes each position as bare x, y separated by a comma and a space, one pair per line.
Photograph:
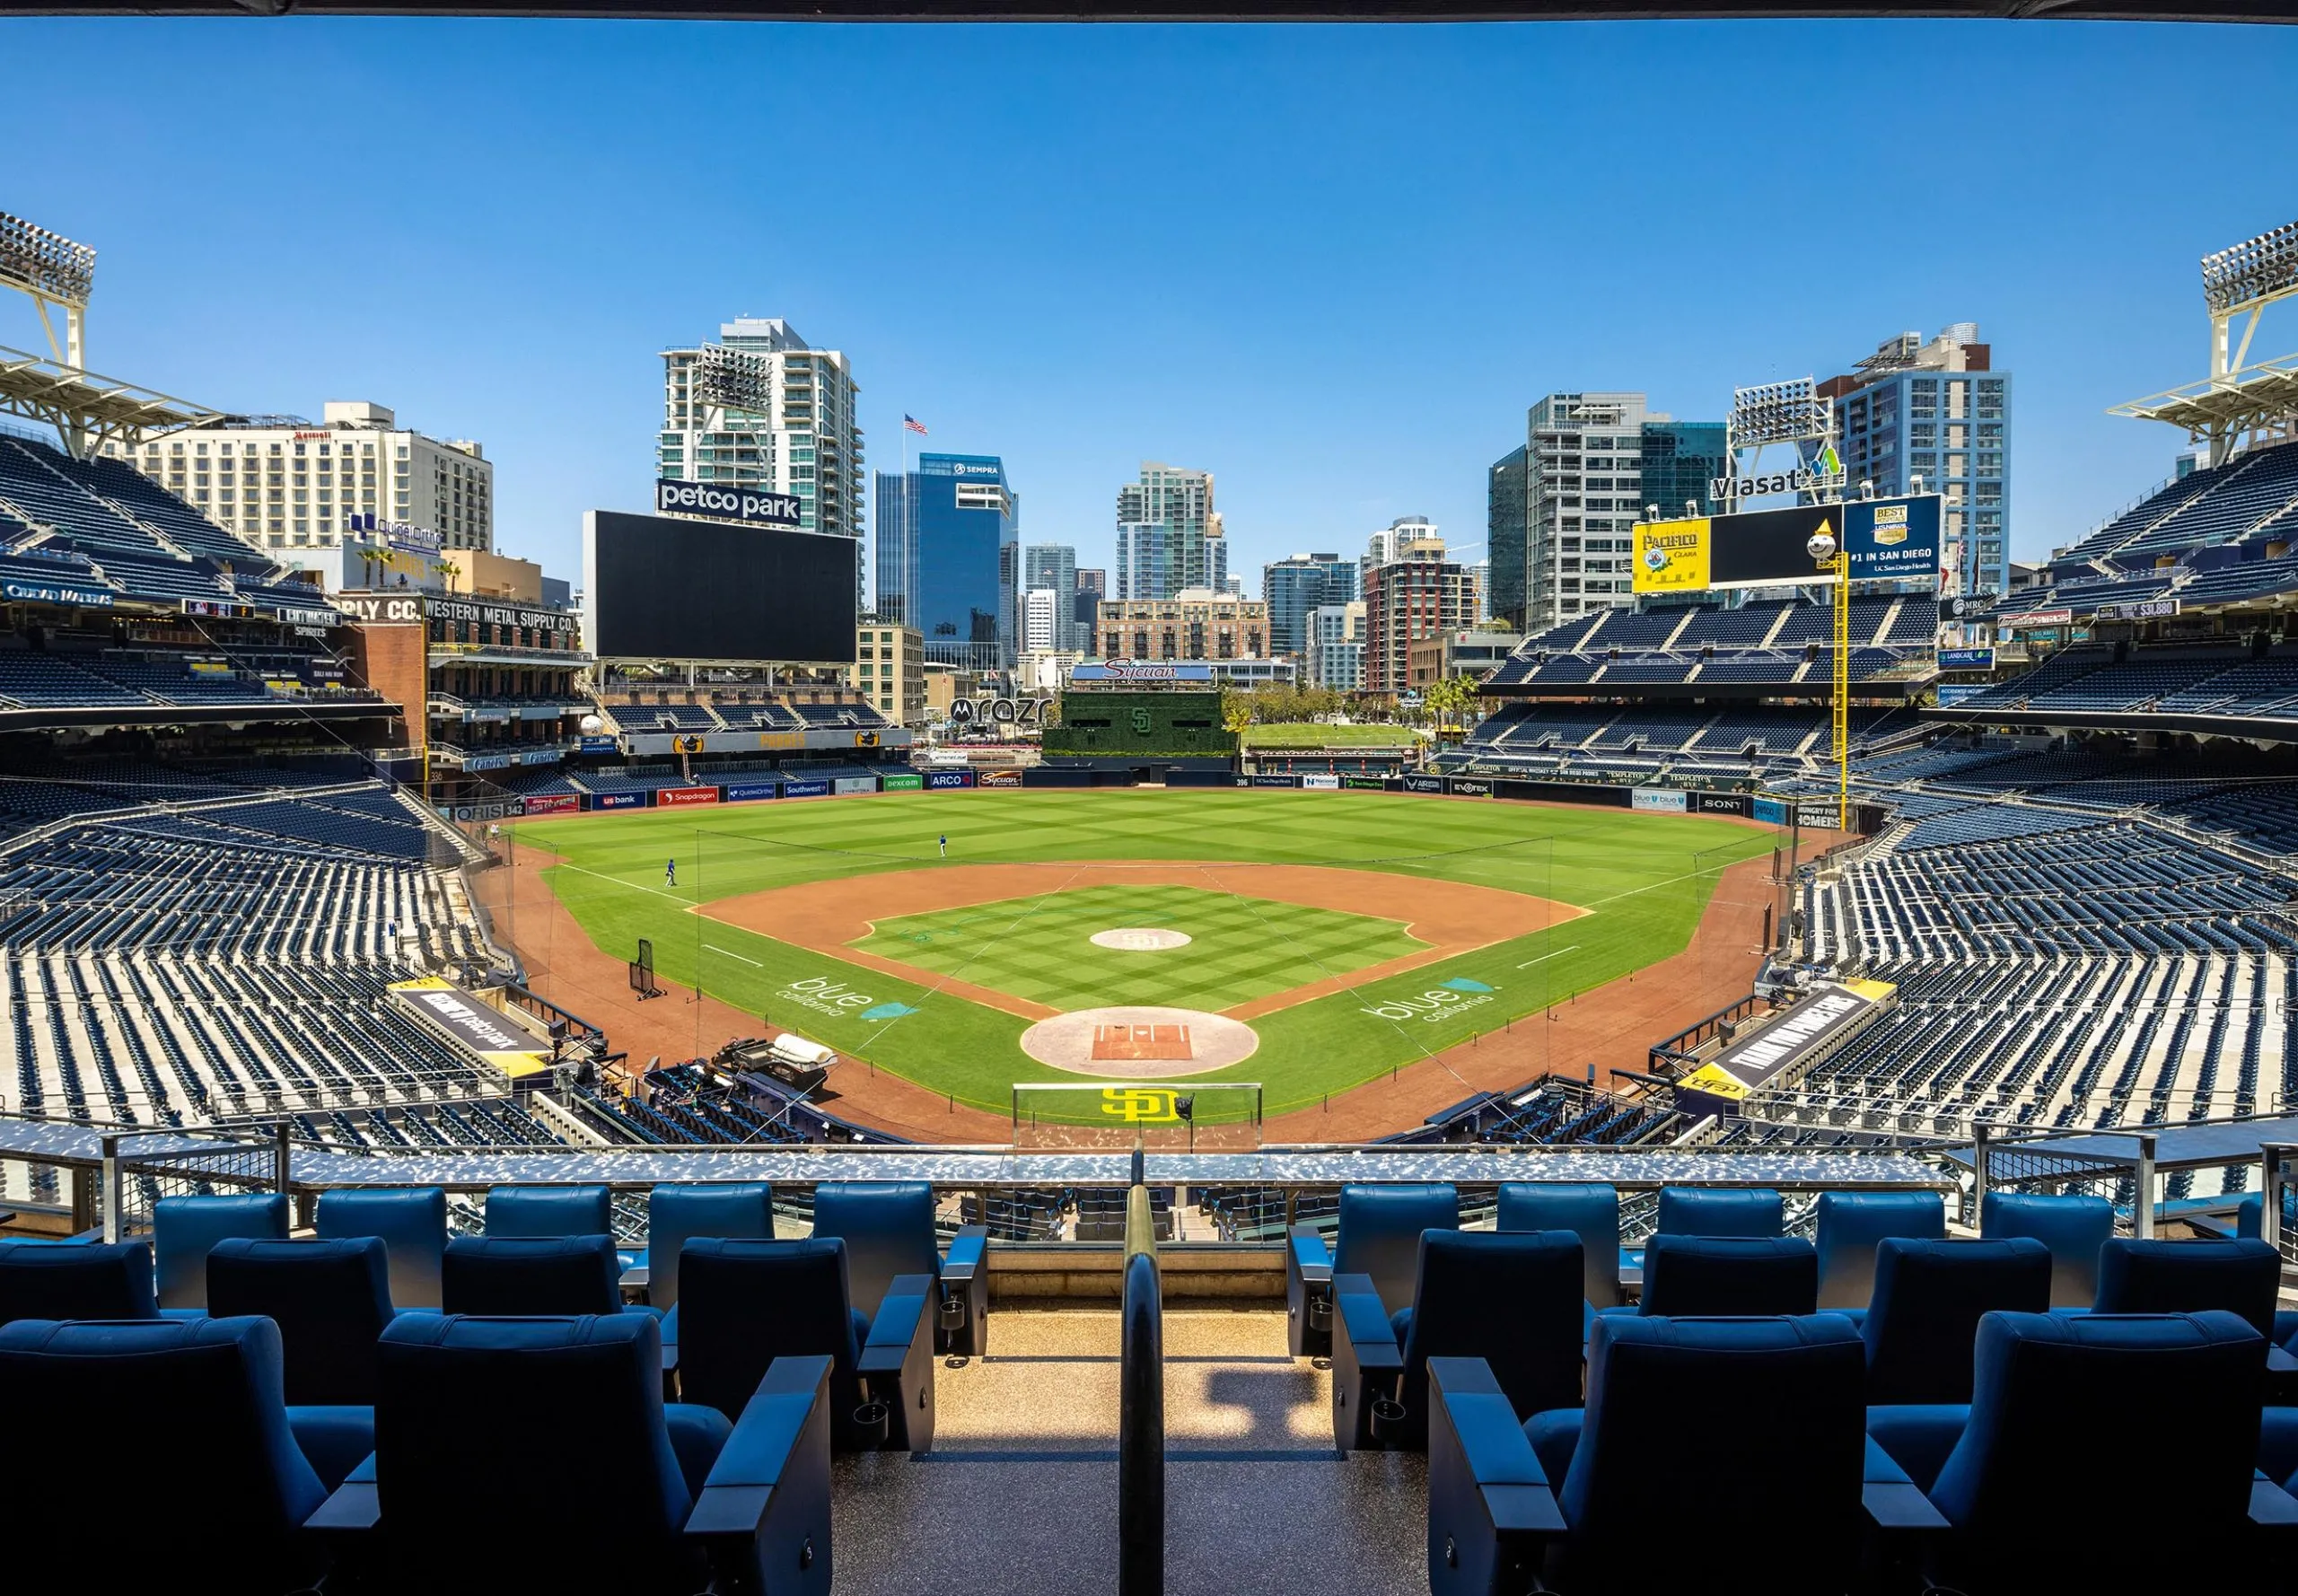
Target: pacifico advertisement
1671, 557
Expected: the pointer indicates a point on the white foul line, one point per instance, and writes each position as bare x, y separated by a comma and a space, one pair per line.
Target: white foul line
729, 953
1560, 953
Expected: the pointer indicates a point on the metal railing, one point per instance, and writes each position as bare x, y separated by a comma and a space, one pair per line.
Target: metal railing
1141, 1403
136, 1178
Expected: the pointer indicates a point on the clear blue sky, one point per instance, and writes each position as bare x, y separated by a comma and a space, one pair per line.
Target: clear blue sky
1333, 266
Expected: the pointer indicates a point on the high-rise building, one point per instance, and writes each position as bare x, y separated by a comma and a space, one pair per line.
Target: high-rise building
760, 409
281, 483
1197, 623
1053, 566
1169, 536
1297, 584
1336, 646
1417, 594
1562, 509
1935, 416
1041, 620
1381, 546
889, 670
949, 559
1085, 604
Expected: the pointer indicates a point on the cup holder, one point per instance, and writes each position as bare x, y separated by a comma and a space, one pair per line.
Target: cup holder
953, 1314
874, 1421
1387, 1421
1320, 1313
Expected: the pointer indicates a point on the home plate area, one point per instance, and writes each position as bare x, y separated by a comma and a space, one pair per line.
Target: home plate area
1139, 1044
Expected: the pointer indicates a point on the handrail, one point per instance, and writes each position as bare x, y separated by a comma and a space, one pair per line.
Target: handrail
1141, 1405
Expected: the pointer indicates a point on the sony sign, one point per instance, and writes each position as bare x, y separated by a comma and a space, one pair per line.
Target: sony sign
725, 503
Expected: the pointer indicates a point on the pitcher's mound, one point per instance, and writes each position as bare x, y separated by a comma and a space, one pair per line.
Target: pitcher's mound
1139, 1044
1137, 939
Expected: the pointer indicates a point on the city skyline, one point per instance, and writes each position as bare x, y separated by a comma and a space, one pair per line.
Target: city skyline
535, 326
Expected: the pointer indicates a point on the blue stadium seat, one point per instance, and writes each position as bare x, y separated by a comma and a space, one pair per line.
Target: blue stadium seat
225, 1518
1705, 1211
1852, 1223
530, 1275
495, 1438
742, 1304
1707, 1275
887, 1228
412, 1223
1515, 1299
56, 1280
330, 1301
1378, 1236
2038, 1486
1929, 1297
1590, 1212
2072, 1227
2241, 1278
550, 1211
1780, 1411
184, 1229
677, 1213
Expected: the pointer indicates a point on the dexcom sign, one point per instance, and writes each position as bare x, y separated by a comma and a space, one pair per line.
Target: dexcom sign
1438, 1005
731, 504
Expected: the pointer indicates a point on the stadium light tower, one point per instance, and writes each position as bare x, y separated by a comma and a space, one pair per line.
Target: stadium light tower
2240, 405
1793, 412
54, 271
1828, 553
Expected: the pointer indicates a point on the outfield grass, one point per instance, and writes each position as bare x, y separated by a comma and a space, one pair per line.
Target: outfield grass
1645, 878
1041, 948
1296, 735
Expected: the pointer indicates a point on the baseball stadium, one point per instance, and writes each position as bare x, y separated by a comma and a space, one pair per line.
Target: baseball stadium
502, 1092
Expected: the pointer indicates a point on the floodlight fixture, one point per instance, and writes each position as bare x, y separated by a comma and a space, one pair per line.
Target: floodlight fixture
2252, 272
1651, 511
44, 264
1786, 412
734, 379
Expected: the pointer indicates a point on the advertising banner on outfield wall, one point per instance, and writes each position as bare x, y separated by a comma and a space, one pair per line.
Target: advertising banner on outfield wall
1365, 784
1266, 778
1771, 812
1722, 803
1469, 786
753, 792
805, 789
617, 799
1423, 784
1665, 801
553, 803
944, 781
684, 797
997, 778
854, 784
1560, 792
904, 781
1320, 781
1967, 659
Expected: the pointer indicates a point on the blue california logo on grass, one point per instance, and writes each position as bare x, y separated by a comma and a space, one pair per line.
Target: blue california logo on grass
887, 1011
1462, 983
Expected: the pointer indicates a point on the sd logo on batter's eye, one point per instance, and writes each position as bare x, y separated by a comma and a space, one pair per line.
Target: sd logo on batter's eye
1141, 722
1139, 1105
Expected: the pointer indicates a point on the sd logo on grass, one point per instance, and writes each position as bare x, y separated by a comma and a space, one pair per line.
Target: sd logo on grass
1140, 1105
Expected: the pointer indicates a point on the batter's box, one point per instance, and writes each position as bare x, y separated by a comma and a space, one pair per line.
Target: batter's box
1139, 1043
1135, 1042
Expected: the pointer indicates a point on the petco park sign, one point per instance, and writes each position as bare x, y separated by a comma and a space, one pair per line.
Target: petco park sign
726, 504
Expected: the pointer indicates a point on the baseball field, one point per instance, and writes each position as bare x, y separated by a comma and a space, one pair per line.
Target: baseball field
1309, 942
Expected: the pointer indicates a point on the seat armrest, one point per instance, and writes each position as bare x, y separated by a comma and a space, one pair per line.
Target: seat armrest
1894, 1504
354, 1508
2273, 1508
901, 1318
965, 1254
1490, 1511
765, 1507
2279, 1360
1306, 1254
1359, 1315
637, 1278
898, 1361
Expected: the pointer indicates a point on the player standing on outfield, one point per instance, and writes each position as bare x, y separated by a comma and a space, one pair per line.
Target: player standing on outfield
671, 872
945, 844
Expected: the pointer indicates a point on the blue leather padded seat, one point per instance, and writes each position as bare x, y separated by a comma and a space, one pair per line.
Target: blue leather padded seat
412, 1221
1929, 1298
2243, 1277
531, 1275
1588, 1210
495, 1438
888, 1229
1705, 1276
331, 1300
1379, 1236
677, 1213
55, 1280
1740, 1417
1851, 1225
184, 1228
224, 1516
1705, 1211
2066, 1411
550, 1211
2072, 1227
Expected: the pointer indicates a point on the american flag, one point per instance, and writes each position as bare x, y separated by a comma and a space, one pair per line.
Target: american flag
914, 424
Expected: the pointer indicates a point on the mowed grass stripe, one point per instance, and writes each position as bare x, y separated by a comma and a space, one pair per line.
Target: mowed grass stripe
1647, 878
